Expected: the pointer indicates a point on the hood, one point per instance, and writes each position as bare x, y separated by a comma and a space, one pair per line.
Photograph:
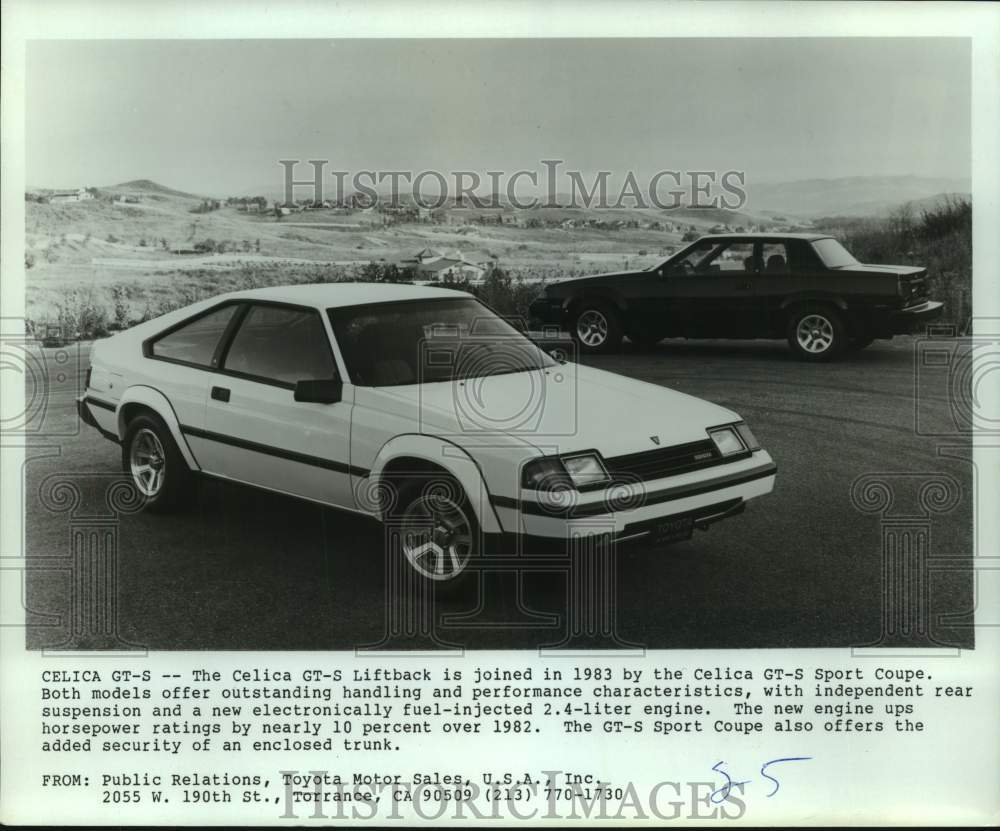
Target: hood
563, 409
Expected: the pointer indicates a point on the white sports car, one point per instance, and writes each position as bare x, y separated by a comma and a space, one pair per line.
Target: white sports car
420, 407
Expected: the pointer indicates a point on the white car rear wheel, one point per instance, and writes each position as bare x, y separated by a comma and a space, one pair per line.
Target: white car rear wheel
154, 464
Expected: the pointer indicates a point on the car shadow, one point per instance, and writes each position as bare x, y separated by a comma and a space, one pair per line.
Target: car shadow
772, 351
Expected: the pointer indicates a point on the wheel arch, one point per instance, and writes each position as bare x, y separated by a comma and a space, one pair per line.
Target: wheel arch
137, 399
603, 295
417, 453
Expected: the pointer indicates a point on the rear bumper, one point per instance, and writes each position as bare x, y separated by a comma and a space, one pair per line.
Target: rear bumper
905, 321
85, 410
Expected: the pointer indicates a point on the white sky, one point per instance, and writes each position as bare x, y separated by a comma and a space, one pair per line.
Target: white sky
214, 116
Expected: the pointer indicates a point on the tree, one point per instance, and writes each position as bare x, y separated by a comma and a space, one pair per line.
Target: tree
119, 297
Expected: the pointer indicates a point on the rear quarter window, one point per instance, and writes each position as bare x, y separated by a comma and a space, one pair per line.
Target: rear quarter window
195, 342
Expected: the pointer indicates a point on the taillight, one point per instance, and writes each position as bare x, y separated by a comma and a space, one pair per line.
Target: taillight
86, 384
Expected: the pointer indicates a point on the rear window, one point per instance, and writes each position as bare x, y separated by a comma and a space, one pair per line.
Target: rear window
832, 253
195, 342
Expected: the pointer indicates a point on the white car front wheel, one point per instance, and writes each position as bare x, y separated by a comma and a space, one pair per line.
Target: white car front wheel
438, 532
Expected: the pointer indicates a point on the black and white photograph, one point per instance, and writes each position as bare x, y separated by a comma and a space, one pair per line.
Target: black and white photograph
495, 350
445, 414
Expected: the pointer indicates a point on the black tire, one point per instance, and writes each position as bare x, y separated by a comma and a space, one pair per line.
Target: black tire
437, 499
596, 328
816, 332
175, 484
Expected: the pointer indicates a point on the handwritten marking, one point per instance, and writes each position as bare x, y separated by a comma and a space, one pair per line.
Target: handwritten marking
720, 795
766, 765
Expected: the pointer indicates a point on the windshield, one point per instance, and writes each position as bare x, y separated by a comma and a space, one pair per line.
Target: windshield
426, 341
833, 254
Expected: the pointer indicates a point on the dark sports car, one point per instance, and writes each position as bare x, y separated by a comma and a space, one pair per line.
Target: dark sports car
804, 287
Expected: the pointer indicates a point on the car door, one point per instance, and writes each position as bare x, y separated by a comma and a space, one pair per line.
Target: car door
255, 430
710, 291
788, 266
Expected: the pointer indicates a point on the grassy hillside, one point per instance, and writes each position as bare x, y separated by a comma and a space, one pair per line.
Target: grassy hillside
104, 263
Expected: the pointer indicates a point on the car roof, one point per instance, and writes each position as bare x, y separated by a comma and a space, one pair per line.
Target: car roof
332, 295
766, 235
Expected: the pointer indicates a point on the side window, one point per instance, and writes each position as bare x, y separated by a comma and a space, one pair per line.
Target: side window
775, 258
689, 261
195, 342
281, 344
735, 257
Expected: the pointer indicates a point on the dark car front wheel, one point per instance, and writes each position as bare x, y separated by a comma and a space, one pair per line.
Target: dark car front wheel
817, 333
596, 328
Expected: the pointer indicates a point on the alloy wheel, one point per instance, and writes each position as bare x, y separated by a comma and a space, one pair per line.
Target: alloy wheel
814, 334
437, 537
147, 462
592, 328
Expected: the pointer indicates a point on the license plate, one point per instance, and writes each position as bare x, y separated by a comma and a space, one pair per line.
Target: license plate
673, 530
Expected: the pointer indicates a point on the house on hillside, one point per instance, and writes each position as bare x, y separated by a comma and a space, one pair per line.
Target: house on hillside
448, 269
79, 195
432, 264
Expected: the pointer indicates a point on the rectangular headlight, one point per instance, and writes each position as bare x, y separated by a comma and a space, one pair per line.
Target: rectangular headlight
585, 469
727, 441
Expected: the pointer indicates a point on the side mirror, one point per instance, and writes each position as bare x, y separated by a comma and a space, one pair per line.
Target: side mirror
319, 392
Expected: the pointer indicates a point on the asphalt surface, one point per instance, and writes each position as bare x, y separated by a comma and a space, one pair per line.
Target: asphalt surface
803, 567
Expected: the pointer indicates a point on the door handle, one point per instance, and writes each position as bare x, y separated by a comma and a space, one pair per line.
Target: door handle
220, 393
746, 285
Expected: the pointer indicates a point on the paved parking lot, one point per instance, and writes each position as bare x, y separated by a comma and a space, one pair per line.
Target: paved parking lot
802, 567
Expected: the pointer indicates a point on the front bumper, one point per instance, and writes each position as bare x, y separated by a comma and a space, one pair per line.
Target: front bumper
623, 513
905, 321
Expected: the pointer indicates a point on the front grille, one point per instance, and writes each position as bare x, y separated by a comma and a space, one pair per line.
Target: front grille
665, 461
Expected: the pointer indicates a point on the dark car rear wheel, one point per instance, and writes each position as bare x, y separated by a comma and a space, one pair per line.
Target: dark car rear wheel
596, 328
816, 332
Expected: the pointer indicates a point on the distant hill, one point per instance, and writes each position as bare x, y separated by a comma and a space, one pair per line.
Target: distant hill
849, 196
149, 186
